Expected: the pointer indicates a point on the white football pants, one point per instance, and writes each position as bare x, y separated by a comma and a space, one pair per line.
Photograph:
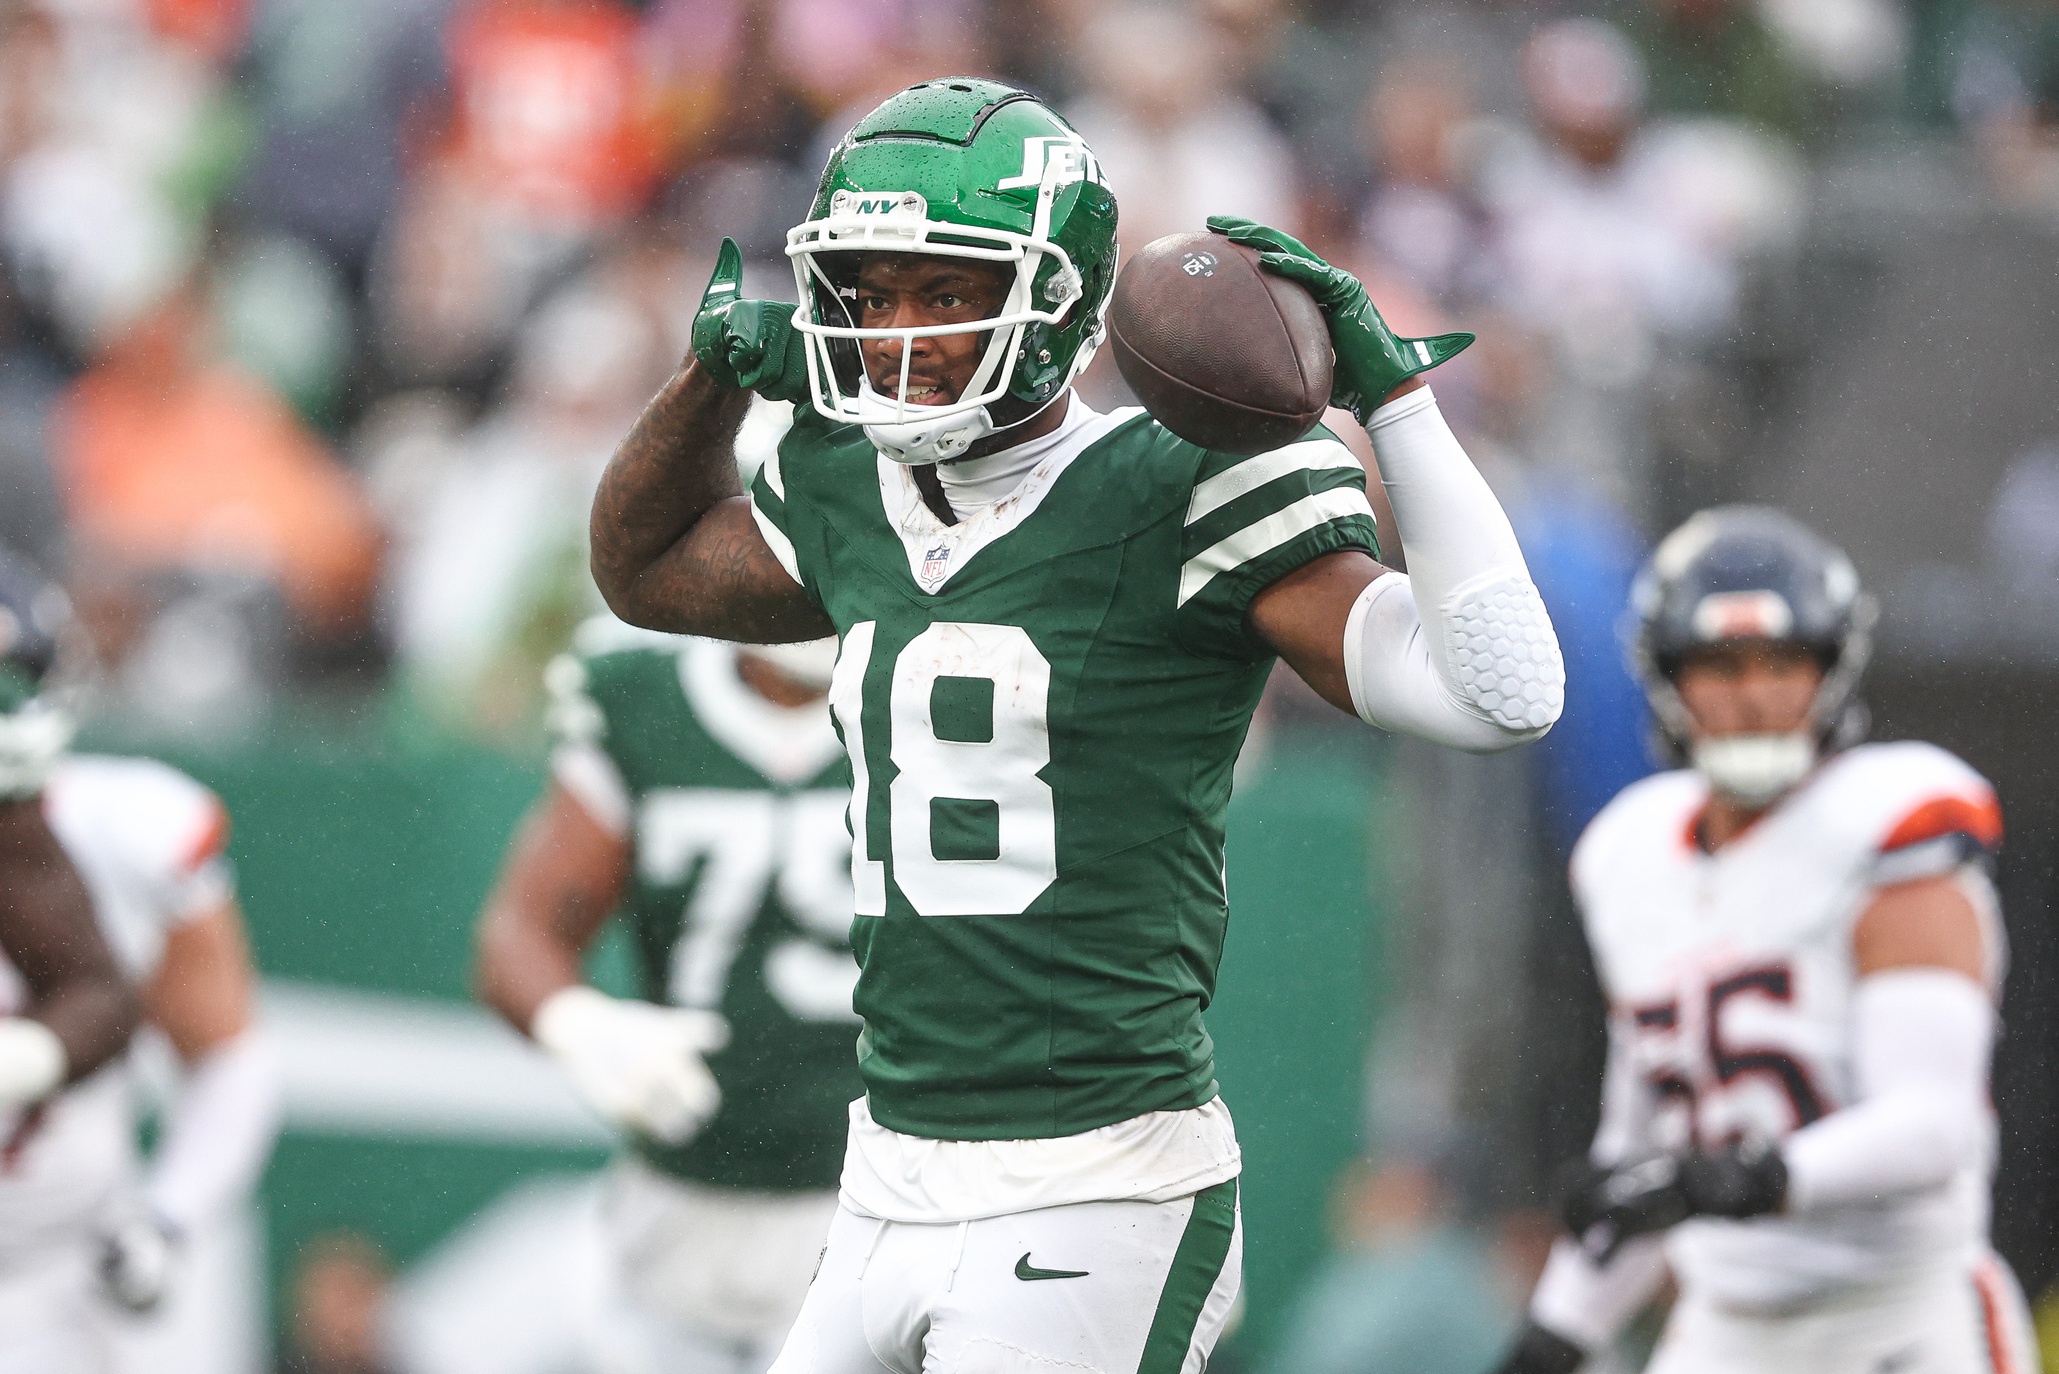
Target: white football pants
709, 1279
1956, 1323
53, 1319
1092, 1288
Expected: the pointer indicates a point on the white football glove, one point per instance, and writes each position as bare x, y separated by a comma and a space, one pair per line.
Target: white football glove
32, 1061
639, 1065
138, 1255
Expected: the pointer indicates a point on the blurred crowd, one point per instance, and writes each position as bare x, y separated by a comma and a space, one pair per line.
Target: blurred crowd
317, 321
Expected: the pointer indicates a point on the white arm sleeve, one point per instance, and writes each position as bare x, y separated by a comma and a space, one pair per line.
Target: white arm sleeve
1921, 1039
218, 1133
1626, 1104
1588, 1303
1459, 650
1585, 1302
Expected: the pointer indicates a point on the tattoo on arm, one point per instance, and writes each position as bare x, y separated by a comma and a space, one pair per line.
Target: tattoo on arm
674, 544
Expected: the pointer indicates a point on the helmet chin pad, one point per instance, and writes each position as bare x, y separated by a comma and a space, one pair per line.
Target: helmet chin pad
916, 442
1756, 770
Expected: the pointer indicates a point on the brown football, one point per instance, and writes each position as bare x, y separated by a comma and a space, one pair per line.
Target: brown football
1225, 354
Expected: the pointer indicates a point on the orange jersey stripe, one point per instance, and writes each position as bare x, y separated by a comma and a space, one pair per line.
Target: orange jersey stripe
1991, 1308
212, 839
1980, 817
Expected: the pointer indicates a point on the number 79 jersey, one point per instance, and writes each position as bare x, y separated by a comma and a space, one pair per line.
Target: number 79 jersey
1730, 979
1042, 705
739, 896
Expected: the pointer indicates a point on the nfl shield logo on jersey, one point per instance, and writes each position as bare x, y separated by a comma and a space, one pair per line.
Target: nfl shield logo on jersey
935, 564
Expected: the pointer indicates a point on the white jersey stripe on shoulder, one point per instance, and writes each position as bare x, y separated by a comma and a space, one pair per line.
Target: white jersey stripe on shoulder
773, 477
591, 777
1310, 455
782, 547
1268, 534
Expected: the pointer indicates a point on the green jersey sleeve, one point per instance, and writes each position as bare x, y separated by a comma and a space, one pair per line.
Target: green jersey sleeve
584, 687
1253, 520
789, 527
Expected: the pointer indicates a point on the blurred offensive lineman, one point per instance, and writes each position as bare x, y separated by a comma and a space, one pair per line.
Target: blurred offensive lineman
89, 1240
1801, 952
1054, 628
700, 791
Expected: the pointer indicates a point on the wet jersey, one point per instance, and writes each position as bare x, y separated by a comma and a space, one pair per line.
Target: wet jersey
147, 841
1730, 978
1042, 704
739, 898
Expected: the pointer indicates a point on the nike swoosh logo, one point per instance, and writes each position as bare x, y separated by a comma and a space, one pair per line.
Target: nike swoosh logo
1027, 1272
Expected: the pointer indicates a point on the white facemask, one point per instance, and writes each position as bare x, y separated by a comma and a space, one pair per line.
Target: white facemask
1756, 770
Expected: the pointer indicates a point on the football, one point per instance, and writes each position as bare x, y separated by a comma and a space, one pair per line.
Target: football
1222, 352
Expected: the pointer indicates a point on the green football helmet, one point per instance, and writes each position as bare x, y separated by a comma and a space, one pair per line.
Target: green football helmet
961, 168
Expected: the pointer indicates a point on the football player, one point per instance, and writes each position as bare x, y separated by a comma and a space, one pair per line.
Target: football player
699, 791
1055, 625
1801, 952
89, 1238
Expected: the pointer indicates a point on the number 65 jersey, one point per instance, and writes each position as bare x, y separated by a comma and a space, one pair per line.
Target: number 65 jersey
1043, 704
1730, 979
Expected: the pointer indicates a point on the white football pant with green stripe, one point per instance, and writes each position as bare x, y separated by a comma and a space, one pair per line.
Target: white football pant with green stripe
1093, 1288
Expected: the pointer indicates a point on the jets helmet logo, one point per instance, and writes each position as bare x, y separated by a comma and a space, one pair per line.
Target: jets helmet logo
1060, 160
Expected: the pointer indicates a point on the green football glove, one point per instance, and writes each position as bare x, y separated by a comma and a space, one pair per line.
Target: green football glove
1371, 360
749, 345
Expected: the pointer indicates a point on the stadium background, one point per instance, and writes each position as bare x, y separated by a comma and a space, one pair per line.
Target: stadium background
318, 320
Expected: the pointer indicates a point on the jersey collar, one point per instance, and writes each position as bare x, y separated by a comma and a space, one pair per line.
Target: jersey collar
936, 551
789, 745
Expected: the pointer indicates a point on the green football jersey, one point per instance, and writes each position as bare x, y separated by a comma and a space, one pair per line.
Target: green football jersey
739, 898
1042, 705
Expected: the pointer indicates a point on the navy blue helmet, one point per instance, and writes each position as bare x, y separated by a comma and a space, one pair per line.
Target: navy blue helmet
1752, 573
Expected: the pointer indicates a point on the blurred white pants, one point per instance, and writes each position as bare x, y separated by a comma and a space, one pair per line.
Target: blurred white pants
1964, 1320
52, 1317
709, 1279
212, 1321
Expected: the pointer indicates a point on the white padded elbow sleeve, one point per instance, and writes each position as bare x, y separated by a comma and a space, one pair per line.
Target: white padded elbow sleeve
1497, 682
1461, 650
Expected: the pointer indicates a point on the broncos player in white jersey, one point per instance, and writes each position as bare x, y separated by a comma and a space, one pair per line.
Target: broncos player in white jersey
92, 1239
1802, 954
65, 1010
